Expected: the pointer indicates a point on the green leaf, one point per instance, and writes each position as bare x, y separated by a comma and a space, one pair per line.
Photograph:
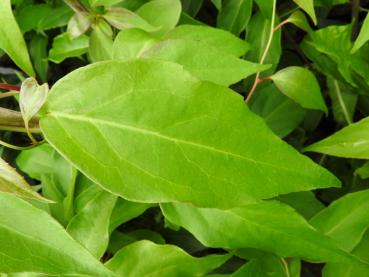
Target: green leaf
363, 35
268, 265
11, 39
64, 47
12, 182
345, 220
32, 97
124, 211
289, 81
101, 42
363, 171
161, 13
270, 226
332, 56
145, 258
203, 61
191, 7
222, 40
191, 151
349, 142
32, 241
234, 15
298, 18
308, 7
119, 240
280, 113
343, 101
55, 173
122, 18
344, 270
37, 17
131, 43
304, 202
38, 51
90, 226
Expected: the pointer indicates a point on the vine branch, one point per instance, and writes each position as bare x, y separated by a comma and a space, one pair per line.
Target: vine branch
265, 52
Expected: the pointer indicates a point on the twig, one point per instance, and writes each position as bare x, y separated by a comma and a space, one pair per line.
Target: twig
265, 53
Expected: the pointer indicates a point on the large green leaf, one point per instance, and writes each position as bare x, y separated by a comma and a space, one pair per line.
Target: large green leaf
145, 258
207, 147
11, 39
269, 226
345, 220
12, 182
289, 81
32, 241
349, 142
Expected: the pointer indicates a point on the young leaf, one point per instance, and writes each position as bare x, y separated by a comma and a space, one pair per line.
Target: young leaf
234, 15
308, 7
215, 66
11, 39
32, 96
345, 220
349, 142
64, 47
90, 226
79, 24
222, 40
268, 265
42, 245
300, 85
145, 258
161, 13
200, 135
12, 182
270, 226
363, 35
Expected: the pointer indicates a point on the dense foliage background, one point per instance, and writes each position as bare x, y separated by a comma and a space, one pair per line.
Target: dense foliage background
207, 138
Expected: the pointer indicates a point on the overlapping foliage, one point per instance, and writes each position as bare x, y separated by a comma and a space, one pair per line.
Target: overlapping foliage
184, 138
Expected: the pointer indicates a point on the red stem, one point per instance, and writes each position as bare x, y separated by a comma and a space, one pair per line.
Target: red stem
9, 87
